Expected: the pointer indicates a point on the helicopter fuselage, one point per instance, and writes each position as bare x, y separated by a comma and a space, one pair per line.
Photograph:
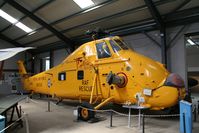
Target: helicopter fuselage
83, 76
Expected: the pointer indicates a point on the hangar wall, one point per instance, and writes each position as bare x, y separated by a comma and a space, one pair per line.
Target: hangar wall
177, 54
59, 56
37, 61
143, 45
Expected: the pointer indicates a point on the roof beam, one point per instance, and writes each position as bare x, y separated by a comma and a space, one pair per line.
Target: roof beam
180, 6
41, 22
177, 35
5, 38
154, 12
132, 10
35, 10
147, 25
73, 15
183, 17
95, 21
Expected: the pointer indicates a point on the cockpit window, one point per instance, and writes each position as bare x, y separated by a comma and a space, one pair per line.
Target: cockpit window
121, 44
103, 50
114, 46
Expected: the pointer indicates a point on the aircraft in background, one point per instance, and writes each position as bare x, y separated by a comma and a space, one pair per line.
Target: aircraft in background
104, 71
8, 53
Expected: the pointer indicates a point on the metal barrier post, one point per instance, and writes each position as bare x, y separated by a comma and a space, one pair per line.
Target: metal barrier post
139, 119
27, 99
27, 124
48, 103
143, 123
194, 113
111, 119
129, 121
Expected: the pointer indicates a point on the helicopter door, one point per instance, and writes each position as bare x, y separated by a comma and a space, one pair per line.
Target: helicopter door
104, 57
85, 78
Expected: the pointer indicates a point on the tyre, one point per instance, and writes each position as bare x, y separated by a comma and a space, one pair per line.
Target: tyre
84, 113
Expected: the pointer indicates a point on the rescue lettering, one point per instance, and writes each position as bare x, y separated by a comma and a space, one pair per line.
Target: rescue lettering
85, 88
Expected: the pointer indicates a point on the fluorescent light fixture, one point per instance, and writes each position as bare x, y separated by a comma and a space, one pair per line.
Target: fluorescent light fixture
84, 3
23, 27
14, 21
190, 42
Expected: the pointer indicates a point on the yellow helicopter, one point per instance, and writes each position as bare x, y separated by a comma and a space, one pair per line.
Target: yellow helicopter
104, 71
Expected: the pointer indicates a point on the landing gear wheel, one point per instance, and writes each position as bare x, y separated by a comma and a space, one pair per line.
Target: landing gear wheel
84, 113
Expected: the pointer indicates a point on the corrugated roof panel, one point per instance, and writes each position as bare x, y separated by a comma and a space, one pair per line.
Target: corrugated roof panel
168, 7
126, 19
114, 8
3, 23
1, 2
14, 32
191, 4
45, 41
30, 23
35, 36
31, 4
57, 10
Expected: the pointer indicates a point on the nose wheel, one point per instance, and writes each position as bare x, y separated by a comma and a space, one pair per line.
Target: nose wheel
85, 112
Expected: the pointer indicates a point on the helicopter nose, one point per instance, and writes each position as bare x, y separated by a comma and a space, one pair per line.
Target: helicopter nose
174, 80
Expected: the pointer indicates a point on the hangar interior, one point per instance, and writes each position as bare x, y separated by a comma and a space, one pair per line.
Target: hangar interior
165, 30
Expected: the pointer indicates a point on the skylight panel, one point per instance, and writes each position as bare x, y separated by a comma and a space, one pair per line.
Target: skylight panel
84, 3
15, 21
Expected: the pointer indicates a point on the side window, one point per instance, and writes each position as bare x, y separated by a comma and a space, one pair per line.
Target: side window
114, 46
121, 44
103, 50
62, 76
80, 75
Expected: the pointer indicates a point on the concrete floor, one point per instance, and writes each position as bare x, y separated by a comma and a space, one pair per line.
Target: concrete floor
62, 120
